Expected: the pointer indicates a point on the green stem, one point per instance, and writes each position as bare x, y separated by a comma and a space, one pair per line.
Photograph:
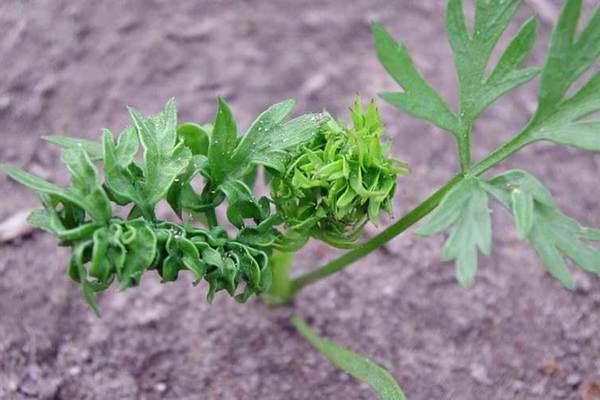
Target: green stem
464, 149
211, 218
410, 218
280, 291
502, 153
148, 213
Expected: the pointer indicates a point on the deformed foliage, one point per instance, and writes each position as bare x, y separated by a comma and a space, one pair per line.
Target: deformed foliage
342, 178
465, 208
107, 247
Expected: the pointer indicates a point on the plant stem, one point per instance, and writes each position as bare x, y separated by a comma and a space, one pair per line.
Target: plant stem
211, 218
464, 148
502, 153
413, 216
280, 291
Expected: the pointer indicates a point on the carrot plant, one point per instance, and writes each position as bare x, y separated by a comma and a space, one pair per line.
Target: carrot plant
327, 179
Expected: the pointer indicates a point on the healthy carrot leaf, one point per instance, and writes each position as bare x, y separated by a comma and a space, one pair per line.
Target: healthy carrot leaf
417, 98
559, 116
551, 233
465, 208
472, 51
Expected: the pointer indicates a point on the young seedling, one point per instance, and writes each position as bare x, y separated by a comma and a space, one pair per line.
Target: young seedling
327, 179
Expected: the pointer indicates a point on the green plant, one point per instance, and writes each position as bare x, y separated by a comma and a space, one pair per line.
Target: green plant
327, 180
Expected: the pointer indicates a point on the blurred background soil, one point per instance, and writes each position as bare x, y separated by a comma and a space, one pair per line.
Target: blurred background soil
71, 67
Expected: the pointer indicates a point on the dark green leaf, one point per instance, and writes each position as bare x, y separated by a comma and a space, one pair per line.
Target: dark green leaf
79, 273
223, 142
100, 264
257, 137
141, 250
194, 137
241, 200
181, 195
86, 184
268, 136
85, 190
294, 132
119, 177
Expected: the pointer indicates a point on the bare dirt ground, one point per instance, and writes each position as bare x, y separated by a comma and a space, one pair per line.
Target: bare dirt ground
71, 67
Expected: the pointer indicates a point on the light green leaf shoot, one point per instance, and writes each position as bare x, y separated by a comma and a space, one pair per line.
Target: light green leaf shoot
360, 367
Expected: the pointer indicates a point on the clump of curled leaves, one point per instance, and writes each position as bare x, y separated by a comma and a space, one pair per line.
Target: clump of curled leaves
338, 181
107, 247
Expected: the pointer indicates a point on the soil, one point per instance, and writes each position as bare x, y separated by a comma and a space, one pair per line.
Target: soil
72, 67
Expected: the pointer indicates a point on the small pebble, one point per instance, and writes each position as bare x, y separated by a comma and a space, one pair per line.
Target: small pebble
550, 366
573, 380
75, 370
160, 387
15, 226
480, 374
4, 103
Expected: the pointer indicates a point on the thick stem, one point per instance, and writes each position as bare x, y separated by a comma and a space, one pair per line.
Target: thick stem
280, 291
413, 216
211, 218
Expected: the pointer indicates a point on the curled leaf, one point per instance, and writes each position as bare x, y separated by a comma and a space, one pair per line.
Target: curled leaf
337, 182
